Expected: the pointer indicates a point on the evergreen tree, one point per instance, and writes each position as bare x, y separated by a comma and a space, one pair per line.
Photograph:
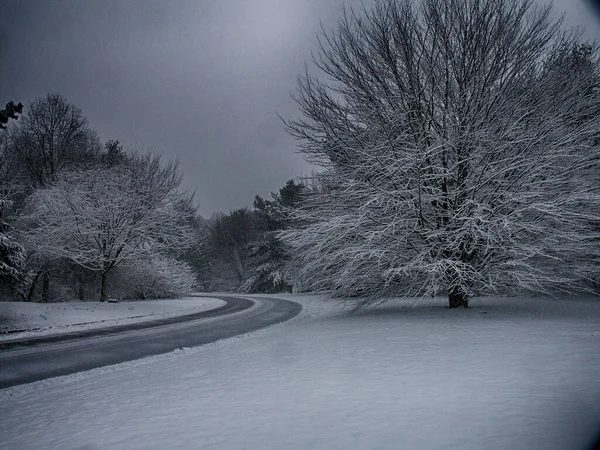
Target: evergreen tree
11, 111
268, 252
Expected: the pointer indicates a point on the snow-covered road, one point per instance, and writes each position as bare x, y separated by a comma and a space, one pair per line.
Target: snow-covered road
505, 374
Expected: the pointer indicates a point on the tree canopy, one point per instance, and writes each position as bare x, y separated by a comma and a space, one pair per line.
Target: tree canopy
460, 144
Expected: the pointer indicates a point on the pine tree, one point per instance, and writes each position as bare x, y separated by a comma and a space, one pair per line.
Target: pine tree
11, 111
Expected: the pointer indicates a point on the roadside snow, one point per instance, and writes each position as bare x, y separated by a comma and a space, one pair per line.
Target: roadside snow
507, 373
42, 319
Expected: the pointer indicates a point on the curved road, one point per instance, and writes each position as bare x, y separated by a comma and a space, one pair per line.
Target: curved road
41, 358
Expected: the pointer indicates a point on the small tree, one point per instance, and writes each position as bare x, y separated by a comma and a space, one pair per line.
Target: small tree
155, 276
114, 154
462, 136
103, 218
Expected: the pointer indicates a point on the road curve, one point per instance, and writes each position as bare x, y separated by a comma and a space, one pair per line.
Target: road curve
38, 359
232, 305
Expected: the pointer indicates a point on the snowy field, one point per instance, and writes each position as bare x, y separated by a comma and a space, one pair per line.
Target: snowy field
504, 374
40, 319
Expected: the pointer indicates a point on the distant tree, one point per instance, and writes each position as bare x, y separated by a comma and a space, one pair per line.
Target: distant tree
229, 242
266, 251
291, 194
103, 218
114, 153
463, 138
268, 254
197, 255
12, 187
11, 111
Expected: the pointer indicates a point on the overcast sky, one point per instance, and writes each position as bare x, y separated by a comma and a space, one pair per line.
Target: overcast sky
201, 81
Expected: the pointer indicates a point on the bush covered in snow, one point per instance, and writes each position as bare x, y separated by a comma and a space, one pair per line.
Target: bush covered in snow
156, 277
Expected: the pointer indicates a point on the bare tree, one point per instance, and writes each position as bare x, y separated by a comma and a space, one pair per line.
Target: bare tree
462, 138
103, 218
156, 276
52, 135
229, 240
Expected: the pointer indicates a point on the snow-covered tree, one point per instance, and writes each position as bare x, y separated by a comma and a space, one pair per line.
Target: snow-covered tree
156, 276
462, 140
267, 256
103, 218
12, 253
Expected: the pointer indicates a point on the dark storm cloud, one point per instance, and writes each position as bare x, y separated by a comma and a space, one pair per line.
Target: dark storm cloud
200, 81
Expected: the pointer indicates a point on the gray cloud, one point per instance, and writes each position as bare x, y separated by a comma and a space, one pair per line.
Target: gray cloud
201, 81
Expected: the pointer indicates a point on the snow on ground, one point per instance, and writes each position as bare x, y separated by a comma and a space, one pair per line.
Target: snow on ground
41, 319
506, 373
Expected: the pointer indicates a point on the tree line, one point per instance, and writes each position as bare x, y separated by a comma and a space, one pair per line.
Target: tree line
82, 219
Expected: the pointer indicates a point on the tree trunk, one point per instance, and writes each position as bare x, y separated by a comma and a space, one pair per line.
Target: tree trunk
80, 292
31, 289
457, 298
45, 287
103, 296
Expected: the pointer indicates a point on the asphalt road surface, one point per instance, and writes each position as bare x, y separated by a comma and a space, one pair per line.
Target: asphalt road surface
40, 358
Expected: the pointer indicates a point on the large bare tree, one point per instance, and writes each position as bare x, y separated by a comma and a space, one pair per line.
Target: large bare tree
460, 143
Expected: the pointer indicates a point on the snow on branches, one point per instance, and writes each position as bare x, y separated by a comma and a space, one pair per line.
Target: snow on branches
12, 253
463, 138
103, 218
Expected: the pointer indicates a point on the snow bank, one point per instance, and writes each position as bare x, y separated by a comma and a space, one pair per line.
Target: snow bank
519, 374
21, 320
